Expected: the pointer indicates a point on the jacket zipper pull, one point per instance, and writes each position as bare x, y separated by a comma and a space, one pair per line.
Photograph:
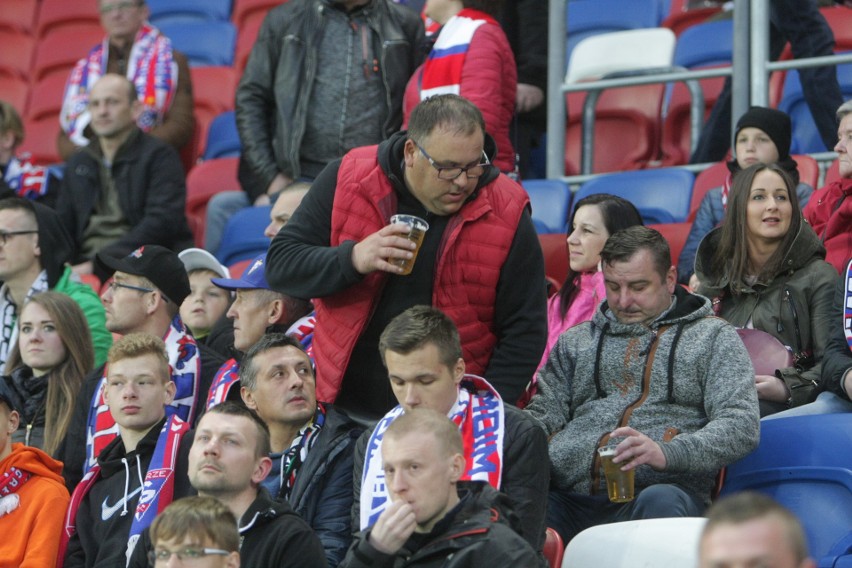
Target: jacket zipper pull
27, 437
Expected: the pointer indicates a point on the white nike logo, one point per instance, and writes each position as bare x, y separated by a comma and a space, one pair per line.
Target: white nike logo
108, 511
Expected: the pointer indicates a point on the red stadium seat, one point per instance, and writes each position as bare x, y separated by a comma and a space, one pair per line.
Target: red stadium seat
55, 14
832, 174
60, 50
203, 182
246, 36
554, 548
14, 91
554, 246
19, 15
675, 234
244, 9
213, 91
808, 169
40, 140
16, 53
46, 96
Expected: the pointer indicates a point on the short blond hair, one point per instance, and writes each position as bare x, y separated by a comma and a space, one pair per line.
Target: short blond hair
205, 520
138, 345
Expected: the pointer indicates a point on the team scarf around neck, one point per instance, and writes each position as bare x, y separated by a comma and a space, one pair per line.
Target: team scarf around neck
297, 453
726, 191
157, 488
185, 367
443, 68
9, 313
228, 374
479, 414
150, 67
26, 180
847, 305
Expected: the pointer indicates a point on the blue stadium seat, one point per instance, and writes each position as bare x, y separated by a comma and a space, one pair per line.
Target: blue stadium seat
661, 196
223, 140
803, 463
590, 17
705, 45
243, 236
181, 11
550, 201
806, 138
203, 43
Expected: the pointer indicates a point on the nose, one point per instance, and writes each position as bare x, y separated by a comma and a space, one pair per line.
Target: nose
106, 297
232, 312
398, 484
129, 390
462, 181
840, 147
573, 237
412, 396
270, 231
36, 335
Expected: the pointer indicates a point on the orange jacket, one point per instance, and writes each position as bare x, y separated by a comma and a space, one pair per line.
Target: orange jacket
31, 531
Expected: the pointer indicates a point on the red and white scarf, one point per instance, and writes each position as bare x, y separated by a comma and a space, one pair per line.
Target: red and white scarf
157, 488
26, 179
479, 413
150, 67
443, 68
185, 368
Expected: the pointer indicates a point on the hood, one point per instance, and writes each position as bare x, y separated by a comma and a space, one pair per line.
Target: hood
688, 307
263, 510
113, 453
805, 248
481, 502
34, 461
390, 155
54, 242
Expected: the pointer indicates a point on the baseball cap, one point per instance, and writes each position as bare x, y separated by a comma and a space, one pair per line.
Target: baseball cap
158, 264
10, 397
252, 278
200, 259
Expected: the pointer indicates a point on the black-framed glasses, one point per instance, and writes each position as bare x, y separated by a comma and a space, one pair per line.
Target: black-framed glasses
4, 235
113, 285
449, 173
188, 555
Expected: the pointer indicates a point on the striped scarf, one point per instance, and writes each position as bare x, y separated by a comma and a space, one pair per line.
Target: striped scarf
26, 180
297, 453
185, 366
847, 305
150, 67
478, 412
443, 68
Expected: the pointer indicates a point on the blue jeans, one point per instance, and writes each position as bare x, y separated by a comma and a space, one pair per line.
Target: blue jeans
825, 403
571, 513
219, 209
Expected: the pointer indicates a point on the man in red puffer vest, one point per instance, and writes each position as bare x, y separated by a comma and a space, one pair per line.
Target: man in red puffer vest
480, 261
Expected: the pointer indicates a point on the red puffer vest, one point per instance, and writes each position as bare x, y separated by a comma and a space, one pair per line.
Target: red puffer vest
474, 247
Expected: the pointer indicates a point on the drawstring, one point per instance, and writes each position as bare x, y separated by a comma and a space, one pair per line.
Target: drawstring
675, 341
597, 370
126, 486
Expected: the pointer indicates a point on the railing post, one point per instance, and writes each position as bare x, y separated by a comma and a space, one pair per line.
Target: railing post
759, 52
556, 65
740, 81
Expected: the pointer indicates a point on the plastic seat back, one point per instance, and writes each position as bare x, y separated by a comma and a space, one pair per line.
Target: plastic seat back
806, 138
178, 11
554, 247
16, 53
550, 201
203, 43
243, 236
661, 196
554, 548
203, 182
675, 234
803, 463
60, 50
223, 139
589, 18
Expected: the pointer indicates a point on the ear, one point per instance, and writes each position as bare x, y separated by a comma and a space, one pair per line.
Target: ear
261, 470
248, 398
671, 279
14, 421
233, 560
277, 312
457, 467
171, 389
153, 301
458, 371
409, 152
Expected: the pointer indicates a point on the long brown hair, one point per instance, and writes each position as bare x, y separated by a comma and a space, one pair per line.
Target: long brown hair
731, 257
67, 377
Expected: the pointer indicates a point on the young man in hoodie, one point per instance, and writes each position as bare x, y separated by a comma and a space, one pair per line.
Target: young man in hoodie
138, 474
228, 460
34, 250
431, 520
33, 497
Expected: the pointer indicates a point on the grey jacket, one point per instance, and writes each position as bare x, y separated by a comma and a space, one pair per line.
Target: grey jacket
795, 306
686, 382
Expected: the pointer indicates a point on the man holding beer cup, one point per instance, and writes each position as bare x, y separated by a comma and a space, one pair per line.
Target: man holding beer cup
653, 389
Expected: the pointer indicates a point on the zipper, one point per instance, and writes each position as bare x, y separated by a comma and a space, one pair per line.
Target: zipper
27, 436
792, 304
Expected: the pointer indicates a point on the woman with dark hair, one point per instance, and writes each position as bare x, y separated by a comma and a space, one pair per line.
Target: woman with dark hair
762, 135
49, 362
764, 269
595, 218
472, 58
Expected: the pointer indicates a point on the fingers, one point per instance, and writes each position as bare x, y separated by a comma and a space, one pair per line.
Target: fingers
379, 250
394, 526
636, 449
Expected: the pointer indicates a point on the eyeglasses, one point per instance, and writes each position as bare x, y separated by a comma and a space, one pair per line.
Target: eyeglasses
120, 6
186, 556
113, 285
4, 235
452, 172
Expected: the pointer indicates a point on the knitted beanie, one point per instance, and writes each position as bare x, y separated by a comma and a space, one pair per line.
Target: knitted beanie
775, 123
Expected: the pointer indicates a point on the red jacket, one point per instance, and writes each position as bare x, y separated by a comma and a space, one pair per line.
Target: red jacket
475, 245
829, 212
489, 80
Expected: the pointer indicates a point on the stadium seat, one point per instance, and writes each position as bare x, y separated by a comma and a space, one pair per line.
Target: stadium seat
203, 43
554, 247
19, 16
246, 8
550, 201
246, 37
650, 542
46, 96
60, 50
213, 91
680, 18
203, 182
239, 267
40, 140
243, 235
625, 118
15, 91
16, 53
714, 176
832, 174
57, 14
806, 138
661, 196
808, 170
180, 11
803, 463
554, 548
588, 18
223, 140
675, 234
704, 45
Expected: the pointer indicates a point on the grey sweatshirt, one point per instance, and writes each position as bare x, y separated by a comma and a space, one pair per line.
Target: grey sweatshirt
686, 381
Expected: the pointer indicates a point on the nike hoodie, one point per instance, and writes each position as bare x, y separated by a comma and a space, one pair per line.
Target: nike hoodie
106, 512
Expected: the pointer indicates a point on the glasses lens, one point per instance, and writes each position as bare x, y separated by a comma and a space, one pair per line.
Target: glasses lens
449, 173
475, 171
